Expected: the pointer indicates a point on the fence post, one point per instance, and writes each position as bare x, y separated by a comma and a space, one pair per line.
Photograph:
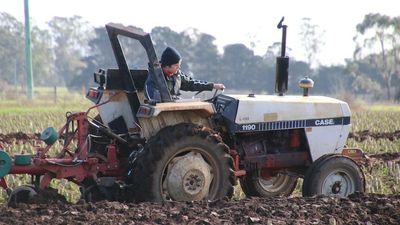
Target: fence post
55, 95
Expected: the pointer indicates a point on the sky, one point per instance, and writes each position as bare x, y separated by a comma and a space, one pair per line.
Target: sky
229, 21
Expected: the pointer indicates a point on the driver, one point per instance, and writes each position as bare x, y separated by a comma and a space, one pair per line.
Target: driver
175, 78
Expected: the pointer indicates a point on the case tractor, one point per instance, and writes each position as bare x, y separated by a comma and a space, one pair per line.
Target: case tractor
188, 150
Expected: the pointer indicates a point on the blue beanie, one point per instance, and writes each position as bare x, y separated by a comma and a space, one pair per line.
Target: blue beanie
170, 56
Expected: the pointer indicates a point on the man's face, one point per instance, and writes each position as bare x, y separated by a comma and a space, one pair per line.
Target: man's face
171, 69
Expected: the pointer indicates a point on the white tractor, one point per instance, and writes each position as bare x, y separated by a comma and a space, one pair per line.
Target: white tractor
193, 150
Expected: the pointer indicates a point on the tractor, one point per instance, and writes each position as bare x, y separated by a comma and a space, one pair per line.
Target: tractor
191, 149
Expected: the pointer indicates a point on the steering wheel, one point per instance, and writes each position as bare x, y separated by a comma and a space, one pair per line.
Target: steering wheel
216, 94
197, 93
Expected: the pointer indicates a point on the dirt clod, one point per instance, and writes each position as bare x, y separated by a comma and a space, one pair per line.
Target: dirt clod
358, 208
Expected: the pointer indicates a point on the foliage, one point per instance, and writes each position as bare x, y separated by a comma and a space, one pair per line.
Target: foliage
68, 51
380, 32
71, 36
11, 49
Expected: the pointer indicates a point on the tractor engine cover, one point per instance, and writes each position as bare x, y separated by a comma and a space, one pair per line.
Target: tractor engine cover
326, 121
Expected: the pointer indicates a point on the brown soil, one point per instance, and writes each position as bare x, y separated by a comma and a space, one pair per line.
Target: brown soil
359, 208
393, 156
363, 135
18, 137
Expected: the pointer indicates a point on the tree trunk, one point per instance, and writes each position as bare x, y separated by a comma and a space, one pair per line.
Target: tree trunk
387, 84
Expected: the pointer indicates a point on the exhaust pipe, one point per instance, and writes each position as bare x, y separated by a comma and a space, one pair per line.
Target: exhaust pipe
282, 64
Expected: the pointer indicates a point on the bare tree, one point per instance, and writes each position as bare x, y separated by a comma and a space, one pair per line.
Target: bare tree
312, 41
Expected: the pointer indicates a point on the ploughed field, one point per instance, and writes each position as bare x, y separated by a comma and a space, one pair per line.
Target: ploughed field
380, 205
376, 132
356, 209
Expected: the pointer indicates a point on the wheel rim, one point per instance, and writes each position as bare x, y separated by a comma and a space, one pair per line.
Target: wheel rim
274, 184
338, 183
188, 176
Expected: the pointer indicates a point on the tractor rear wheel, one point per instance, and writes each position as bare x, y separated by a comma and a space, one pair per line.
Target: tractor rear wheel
185, 162
253, 185
334, 175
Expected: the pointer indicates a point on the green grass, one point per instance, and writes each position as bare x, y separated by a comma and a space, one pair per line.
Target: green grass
44, 100
376, 121
376, 146
384, 107
73, 102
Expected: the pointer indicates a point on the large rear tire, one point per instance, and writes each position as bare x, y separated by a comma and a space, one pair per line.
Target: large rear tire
185, 162
334, 175
253, 185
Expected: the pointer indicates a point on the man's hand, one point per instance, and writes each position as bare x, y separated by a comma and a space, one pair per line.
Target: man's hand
219, 86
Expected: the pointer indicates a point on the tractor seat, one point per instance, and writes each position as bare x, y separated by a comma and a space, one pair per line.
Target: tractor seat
115, 81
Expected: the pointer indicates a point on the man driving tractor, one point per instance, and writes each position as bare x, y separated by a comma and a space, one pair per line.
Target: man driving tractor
175, 78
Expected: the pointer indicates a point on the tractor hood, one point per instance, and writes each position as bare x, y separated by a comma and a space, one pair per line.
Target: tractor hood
269, 112
269, 108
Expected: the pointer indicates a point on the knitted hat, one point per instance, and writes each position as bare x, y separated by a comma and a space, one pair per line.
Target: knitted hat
170, 56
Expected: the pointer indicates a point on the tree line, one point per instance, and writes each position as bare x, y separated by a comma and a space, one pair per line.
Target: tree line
69, 50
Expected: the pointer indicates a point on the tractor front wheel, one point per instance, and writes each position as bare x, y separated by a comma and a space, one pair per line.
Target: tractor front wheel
334, 175
184, 162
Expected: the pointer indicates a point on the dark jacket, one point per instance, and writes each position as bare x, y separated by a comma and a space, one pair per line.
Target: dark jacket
175, 83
